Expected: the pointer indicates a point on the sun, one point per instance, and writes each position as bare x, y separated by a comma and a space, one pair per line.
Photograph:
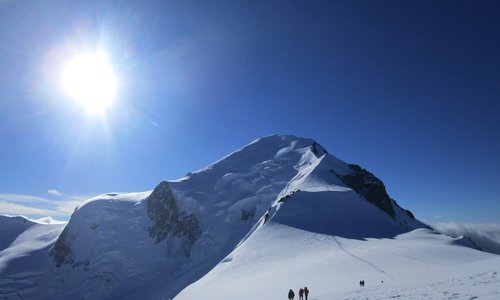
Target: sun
90, 80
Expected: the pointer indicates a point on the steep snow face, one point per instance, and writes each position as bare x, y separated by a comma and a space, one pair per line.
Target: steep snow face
154, 244
320, 199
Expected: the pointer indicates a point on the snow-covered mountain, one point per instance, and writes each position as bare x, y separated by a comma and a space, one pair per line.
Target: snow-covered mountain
276, 214
24, 254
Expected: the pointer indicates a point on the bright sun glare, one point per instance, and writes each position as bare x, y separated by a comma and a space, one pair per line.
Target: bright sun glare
89, 79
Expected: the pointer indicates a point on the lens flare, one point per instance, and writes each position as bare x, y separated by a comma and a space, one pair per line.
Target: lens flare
90, 80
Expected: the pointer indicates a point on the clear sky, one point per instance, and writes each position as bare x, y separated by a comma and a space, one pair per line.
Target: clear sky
407, 89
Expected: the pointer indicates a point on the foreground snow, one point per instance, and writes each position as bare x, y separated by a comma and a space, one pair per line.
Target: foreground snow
471, 281
417, 265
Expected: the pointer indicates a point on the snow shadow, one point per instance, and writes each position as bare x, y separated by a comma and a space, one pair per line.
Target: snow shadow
342, 214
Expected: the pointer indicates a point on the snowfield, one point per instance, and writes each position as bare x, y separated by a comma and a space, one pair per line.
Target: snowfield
279, 213
417, 265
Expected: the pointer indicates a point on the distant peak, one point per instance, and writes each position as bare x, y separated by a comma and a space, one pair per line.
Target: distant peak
17, 218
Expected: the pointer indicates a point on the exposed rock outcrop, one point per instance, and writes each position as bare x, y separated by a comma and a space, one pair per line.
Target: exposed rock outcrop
370, 187
168, 220
61, 252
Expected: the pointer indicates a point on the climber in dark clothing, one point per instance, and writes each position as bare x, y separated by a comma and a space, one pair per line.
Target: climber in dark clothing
291, 294
306, 292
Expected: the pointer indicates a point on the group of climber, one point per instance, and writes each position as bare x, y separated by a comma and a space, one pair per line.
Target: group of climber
305, 292
302, 292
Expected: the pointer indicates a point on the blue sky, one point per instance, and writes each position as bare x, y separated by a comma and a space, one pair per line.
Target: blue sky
407, 89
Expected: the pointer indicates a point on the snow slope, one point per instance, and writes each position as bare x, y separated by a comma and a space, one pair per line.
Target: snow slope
416, 265
11, 227
24, 261
244, 220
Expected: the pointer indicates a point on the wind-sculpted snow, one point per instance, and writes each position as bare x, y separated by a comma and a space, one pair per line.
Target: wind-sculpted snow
155, 244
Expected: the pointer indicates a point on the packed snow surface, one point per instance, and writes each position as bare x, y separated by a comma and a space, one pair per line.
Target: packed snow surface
279, 213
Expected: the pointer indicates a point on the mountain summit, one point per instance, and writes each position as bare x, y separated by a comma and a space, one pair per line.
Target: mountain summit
183, 228
154, 244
